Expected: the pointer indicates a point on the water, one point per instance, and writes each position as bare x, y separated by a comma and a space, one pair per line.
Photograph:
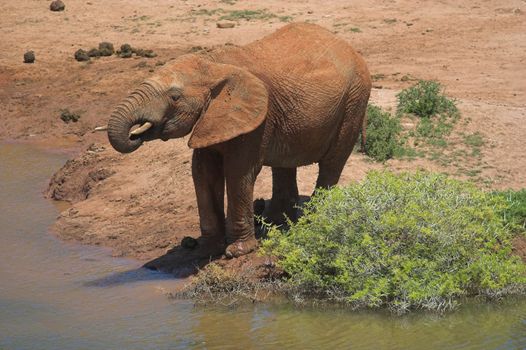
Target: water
56, 295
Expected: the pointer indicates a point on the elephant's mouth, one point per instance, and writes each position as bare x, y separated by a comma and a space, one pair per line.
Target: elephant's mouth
144, 132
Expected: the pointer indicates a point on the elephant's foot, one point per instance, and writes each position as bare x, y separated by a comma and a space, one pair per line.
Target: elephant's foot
281, 210
187, 258
206, 247
241, 247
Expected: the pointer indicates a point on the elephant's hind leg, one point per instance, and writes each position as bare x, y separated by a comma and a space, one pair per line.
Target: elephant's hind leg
284, 195
209, 182
332, 164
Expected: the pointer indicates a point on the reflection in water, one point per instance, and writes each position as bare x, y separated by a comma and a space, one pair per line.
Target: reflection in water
475, 326
56, 295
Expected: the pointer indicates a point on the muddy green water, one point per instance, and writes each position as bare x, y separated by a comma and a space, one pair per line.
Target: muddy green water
56, 295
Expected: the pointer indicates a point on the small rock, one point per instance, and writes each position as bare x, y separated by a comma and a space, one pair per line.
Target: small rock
125, 54
126, 51
149, 54
29, 57
68, 116
224, 25
126, 47
106, 48
57, 5
94, 53
81, 55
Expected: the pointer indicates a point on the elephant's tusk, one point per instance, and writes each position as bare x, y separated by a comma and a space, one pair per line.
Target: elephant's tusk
100, 128
141, 129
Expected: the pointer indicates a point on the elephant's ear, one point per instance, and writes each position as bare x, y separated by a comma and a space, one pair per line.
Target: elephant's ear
238, 106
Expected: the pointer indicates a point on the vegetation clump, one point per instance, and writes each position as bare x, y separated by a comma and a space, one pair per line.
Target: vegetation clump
383, 132
437, 113
426, 100
436, 116
403, 241
515, 212
217, 284
249, 15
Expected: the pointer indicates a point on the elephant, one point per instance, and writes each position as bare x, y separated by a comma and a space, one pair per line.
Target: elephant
295, 97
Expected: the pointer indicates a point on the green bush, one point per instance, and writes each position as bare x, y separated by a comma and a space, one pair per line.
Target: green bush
515, 212
404, 241
426, 100
383, 131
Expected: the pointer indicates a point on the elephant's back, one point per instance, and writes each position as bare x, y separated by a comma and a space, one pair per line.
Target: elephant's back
310, 74
308, 51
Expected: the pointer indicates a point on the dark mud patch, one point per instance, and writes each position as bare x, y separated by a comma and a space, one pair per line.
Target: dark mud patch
77, 178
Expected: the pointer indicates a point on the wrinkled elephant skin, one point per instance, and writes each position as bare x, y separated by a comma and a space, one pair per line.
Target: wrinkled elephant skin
293, 98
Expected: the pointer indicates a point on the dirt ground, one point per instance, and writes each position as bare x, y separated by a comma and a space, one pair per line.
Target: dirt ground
143, 203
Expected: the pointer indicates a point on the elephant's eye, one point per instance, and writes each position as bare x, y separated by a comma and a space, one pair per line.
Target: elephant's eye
174, 97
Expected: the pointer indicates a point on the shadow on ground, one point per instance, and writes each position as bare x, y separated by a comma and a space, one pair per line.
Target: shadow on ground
181, 260
131, 276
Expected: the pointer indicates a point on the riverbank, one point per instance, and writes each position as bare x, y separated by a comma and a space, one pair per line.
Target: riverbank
143, 204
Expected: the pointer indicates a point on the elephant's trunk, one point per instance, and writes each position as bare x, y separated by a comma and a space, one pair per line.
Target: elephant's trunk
129, 113
119, 127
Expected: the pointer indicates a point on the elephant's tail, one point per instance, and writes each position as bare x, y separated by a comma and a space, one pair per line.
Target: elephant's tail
363, 140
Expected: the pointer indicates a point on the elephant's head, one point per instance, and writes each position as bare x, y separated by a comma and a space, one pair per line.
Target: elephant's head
215, 102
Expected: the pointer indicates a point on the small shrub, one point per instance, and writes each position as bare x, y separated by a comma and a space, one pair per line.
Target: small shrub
426, 100
515, 212
474, 140
436, 115
403, 241
248, 15
383, 132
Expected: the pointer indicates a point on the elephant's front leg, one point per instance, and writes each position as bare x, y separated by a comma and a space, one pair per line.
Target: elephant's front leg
209, 182
240, 178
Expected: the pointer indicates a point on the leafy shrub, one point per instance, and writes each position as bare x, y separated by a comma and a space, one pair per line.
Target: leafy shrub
426, 100
403, 241
515, 212
248, 15
437, 114
383, 132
